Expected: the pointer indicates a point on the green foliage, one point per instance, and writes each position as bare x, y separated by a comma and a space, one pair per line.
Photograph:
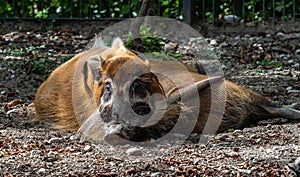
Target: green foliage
165, 56
273, 63
28, 60
151, 44
149, 40
209, 17
258, 70
226, 7
251, 9
171, 8
282, 6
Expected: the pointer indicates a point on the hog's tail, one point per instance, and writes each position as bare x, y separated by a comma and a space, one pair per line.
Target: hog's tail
287, 112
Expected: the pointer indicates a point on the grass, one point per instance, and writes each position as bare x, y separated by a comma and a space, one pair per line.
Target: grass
33, 59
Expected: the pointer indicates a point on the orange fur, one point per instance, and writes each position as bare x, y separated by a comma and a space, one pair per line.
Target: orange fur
71, 84
53, 100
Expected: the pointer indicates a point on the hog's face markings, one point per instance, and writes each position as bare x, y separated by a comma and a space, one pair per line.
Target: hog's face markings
105, 104
107, 91
126, 93
139, 95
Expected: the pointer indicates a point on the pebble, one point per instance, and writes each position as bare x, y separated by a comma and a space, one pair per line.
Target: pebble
290, 61
213, 42
73, 137
87, 148
231, 19
38, 36
11, 161
156, 174
293, 91
226, 171
237, 131
54, 140
237, 38
12, 111
34, 151
297, 163
52, 153
244, 171
3, 92
224, 44
289, 88
134, 151
295, 73
170, 47
297, 52
282, 55
3, 131
280, 34
221, 137
247, 35
41, 170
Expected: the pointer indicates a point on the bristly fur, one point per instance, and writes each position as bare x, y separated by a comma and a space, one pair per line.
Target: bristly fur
54, 100
99, 42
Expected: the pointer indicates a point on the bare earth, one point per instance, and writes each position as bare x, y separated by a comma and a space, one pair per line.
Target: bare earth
28, 149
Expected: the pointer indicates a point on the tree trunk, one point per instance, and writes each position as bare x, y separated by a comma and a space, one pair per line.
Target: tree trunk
147, 8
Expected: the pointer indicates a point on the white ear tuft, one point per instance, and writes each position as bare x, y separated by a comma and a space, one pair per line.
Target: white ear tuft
118, 43
98, 42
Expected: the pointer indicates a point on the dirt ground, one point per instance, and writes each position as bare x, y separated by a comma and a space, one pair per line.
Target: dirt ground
262, 58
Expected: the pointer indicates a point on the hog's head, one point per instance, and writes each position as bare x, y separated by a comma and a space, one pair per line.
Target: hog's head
127, 94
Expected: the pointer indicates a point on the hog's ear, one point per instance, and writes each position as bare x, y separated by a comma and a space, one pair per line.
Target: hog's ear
91, 72
147, 63
200, 85
118, 44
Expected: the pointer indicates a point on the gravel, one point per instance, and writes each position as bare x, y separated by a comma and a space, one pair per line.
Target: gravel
267, 149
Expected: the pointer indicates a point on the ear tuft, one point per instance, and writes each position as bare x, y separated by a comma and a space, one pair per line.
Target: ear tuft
147, 62
118, 44
98, 42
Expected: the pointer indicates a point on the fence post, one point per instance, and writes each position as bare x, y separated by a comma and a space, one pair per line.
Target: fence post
188, 11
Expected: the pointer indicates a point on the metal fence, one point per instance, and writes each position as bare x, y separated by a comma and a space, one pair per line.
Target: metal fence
189, 10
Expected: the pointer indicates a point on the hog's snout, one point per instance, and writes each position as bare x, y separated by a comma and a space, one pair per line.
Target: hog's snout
141, 108
108, 114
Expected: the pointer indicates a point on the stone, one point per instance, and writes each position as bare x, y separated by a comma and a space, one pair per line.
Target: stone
38, 36
12, 111
213, 42
54, 140
87, 148
73, 137
156, 174
41, 170
289, 88
134, 151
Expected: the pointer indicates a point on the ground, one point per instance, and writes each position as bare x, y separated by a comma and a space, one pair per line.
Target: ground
263, 58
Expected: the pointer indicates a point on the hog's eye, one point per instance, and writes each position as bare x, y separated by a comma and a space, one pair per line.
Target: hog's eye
107, 91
